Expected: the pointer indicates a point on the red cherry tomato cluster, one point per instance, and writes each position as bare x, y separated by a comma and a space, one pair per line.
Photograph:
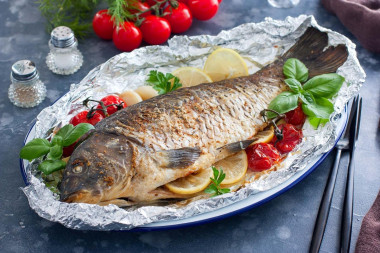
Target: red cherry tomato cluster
111, 103
263, 156
151, 28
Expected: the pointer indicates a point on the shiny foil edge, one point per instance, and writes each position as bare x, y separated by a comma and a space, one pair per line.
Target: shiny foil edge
255, 42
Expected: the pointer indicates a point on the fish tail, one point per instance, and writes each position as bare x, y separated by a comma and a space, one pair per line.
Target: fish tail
311, 50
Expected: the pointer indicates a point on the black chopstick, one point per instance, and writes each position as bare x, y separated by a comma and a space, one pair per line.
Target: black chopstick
346, 226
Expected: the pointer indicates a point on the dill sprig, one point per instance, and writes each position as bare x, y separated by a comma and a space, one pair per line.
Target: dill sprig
76, 14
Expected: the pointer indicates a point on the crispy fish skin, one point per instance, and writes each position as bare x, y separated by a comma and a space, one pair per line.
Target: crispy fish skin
137, 150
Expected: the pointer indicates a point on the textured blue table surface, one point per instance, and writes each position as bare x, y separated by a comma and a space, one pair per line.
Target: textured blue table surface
284, 224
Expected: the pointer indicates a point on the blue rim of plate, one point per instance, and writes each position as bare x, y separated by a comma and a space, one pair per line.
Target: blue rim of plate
222, 216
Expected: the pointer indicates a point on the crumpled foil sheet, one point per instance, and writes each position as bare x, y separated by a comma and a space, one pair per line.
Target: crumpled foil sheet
259, 44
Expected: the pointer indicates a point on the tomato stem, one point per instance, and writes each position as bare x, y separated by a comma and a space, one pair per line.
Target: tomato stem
93, 109
278, 133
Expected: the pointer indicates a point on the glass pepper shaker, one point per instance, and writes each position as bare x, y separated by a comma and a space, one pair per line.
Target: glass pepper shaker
26, 89
64, 57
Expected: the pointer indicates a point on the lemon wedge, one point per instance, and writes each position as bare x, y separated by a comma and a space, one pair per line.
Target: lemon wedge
225, 63
190, 76
192, 183
234, 167
264, 136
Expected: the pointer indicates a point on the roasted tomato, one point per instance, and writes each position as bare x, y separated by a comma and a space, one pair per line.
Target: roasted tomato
295, 117
291, 137
262, 156
113, 104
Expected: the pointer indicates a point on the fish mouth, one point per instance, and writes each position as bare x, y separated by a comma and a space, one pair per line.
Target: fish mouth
80, 196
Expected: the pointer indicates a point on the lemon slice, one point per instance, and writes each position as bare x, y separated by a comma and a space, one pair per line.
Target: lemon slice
192, 183
264, 136
234, 167
190, 76
225, 63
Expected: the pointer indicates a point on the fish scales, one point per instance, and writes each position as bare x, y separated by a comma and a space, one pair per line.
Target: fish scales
137, 150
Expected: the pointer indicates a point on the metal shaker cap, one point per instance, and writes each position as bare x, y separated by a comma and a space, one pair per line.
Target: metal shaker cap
24, 70
62, 36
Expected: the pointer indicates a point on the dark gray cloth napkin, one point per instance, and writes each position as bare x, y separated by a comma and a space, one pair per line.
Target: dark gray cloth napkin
369, 236
362, 19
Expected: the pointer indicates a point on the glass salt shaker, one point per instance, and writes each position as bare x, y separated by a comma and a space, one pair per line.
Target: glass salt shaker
64, 57
26, 89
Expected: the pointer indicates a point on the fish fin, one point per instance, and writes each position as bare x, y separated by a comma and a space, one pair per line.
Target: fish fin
237, 146
177, 158
311, 50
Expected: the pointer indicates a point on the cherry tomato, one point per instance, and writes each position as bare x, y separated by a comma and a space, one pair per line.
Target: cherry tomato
295, 117
67, 151
116, 102
103, 24
84, 117
180, 19
153, 2
138, 6
155, 30
203, 9
183, 1
292, 136
127, 37
262, 156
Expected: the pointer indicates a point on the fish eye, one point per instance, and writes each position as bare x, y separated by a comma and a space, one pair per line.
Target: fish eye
77, 169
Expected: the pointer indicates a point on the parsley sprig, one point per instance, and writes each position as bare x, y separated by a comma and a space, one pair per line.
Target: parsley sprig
163, 83
214, 188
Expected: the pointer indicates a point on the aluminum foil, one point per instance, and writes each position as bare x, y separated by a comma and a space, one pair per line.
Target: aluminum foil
259, 44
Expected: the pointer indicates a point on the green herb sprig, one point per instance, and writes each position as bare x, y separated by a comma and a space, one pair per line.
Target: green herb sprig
163, 83
52, 151
214, 188
314, 93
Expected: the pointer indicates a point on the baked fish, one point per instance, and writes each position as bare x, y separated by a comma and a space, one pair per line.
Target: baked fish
133, 153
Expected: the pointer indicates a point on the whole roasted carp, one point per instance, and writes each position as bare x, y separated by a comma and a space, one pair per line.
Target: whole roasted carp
134, 152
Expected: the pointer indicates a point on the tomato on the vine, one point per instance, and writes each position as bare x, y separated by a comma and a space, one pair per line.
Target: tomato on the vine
291, 137
138, 6
296, 117
113, 104
153, 2
86, 117
203, 9
262, 156
155, 30
127, 37
103, 24
180, 18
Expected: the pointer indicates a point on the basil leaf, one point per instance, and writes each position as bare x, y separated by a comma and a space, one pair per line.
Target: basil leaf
64, 130
49, 166
294, 68
294, 85
326, 85
57, 140
74, 134
307, 97
55, 152
315, 122
284, 102
35, 148
322, 108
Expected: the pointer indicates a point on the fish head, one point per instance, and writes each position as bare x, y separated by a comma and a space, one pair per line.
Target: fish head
98, 170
